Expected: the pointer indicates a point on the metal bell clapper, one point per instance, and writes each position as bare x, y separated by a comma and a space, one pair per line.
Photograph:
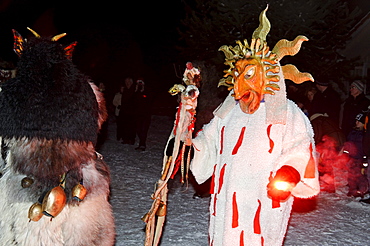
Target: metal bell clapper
79, 192
55, 200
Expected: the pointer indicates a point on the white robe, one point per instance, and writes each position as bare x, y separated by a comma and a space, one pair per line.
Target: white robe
240, 151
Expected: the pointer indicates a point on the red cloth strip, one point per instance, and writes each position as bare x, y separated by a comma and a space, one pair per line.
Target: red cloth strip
235, 222
222, 140
213, 180
177, 119
275, 203
310, 168
256, 222
221, 179
271, 142
214, 205
240, 141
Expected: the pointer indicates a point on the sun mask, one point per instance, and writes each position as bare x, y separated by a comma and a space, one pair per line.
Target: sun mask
254, 68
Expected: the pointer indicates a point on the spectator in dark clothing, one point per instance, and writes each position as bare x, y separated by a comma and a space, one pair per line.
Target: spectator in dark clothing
126, 115
322, 126
326, 101
117, 99
142, 102
307, 100
357, 181
355, 103
366, 149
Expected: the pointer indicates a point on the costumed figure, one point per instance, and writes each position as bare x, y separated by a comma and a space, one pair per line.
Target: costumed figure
177, 152
258, 148
54, 186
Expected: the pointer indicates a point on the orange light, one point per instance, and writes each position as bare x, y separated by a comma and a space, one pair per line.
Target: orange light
282, 185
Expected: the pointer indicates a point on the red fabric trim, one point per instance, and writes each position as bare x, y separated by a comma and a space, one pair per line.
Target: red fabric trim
177, 165
214, 205
275, 203
240, 141
221, 178
196, 134
271, 142
177, 118
242, 238
256, 222
213, 180
262, 241
235, 222
222, 140
309, 173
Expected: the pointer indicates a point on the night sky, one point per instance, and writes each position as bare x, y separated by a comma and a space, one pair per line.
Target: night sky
135, 39
115, 40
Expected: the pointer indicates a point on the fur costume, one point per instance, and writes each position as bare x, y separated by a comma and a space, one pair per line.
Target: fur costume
257, 139
50, 115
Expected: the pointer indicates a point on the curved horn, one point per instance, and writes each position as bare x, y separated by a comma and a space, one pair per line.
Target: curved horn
34, 33
264, 27
285, 47
57, 37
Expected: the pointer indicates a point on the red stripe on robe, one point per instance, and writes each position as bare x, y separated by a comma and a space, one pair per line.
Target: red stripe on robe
256, 222
310, 168
271, 142
275, 203
221, 178
214, 205
242, 238
212, 190
222, 140
240, 141
235, 222
262, 241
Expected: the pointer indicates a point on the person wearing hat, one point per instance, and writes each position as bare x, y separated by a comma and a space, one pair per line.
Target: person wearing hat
355, 103
326, 101
357, 181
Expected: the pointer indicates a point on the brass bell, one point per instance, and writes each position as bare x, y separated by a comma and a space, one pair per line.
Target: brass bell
162, 209
35, 212
26, 182
79, 192
145, 218
54, 202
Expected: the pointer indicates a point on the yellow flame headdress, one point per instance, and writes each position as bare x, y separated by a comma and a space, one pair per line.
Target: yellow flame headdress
260, 51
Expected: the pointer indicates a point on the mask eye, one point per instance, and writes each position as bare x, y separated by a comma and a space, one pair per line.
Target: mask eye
236, 73
249, 73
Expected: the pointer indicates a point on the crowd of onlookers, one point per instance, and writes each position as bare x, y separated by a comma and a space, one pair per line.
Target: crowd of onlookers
341, 136
133, 112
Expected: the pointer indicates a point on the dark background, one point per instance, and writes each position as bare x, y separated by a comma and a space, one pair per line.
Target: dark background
117, 39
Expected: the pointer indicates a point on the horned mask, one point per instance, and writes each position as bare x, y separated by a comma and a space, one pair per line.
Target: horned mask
255, 71
19, 41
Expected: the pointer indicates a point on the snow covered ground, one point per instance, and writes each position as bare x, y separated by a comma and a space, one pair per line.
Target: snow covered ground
331, 220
